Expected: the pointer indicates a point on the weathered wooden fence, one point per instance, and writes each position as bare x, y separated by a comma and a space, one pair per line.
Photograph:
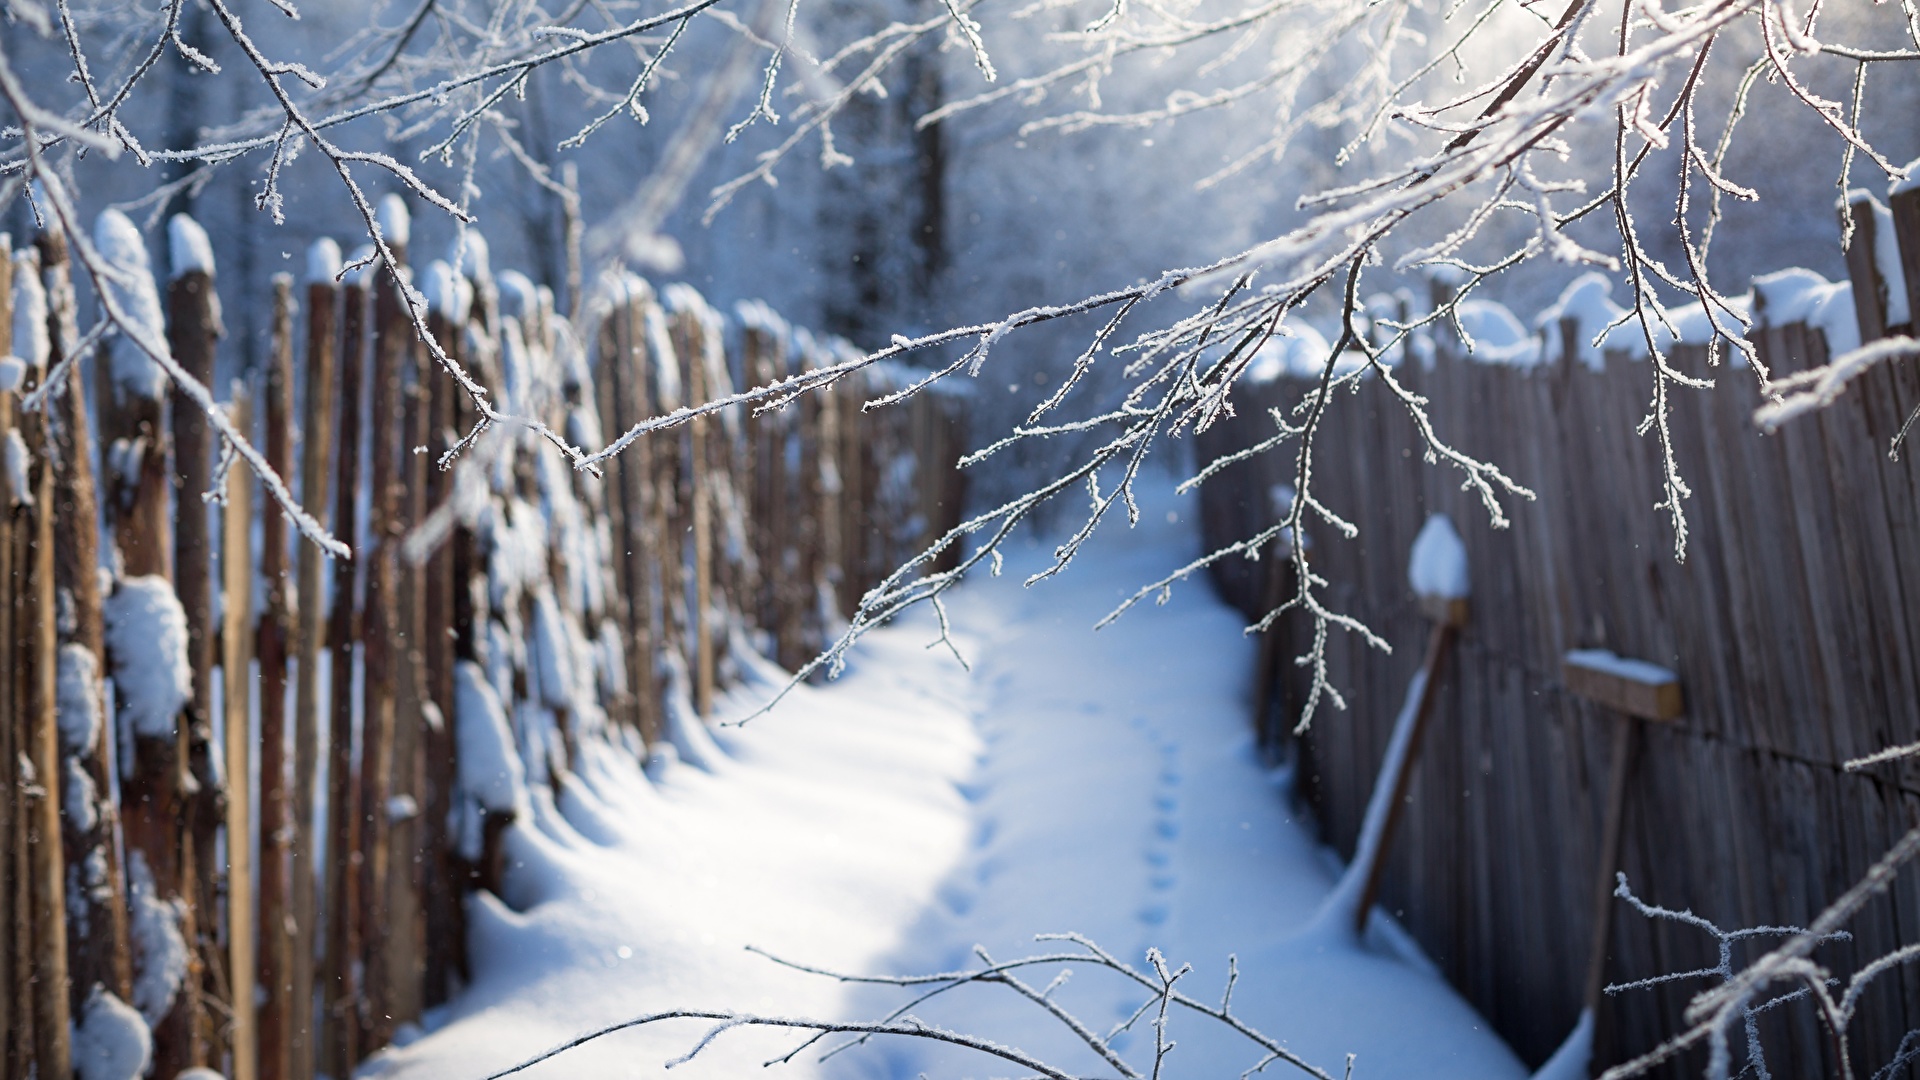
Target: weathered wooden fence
382, 717
1794, 624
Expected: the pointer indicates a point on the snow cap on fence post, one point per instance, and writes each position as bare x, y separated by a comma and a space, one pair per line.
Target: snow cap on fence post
519, 299
30, 341
1883, 257
1586, 306
469, 255
189, 249
449, 295
323, 262
1799, 295
1438, 564
396, 225
129, 284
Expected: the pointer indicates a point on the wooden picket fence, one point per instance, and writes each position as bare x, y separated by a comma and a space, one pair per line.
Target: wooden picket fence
285, 928
1792, 624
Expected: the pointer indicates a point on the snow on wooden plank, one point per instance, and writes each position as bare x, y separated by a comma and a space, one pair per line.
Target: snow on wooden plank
1634, 687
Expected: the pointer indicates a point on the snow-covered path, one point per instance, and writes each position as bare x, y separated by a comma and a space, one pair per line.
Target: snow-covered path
1071, 781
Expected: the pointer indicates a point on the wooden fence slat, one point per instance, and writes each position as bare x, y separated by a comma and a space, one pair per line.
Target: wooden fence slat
236, 658
337, 1041
381, 660
192, 329
339, 400
13, 969
440, 891
279, 637
48, 913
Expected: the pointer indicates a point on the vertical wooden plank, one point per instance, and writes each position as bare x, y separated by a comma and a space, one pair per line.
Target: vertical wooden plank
612, 338
336, 326
279, 838
689, 346
192, 328
381, 660
48, 914
407, 796
1869, 291
643, 541
673, 501
12, 968
440, 889
337, 1040
236, 659
808, 518
832, 514
1905, 206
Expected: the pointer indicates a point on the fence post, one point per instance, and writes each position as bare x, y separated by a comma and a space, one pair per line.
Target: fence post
440, 893
614, 389
338, 1036
689, 340
672, 510
192, 328
647, 503
384, 669
49, 908
335, 329
1904, 205
275, 810
1869, 289
236, 656
832, 566
12, 968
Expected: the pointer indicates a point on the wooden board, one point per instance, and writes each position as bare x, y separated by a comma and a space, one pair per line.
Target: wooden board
1651, 694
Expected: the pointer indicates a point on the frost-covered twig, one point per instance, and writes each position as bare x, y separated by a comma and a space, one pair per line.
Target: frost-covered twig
1713, 1012
1159, 981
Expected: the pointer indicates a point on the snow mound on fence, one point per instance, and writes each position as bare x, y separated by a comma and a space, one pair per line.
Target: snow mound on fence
78, 695
1298, 351
1495, 336
111, 1041
323, 262
147, 642
1587, 303
30, 341
19, 462
491, 773
160, 956
1798, 295
395, 224
129, 283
